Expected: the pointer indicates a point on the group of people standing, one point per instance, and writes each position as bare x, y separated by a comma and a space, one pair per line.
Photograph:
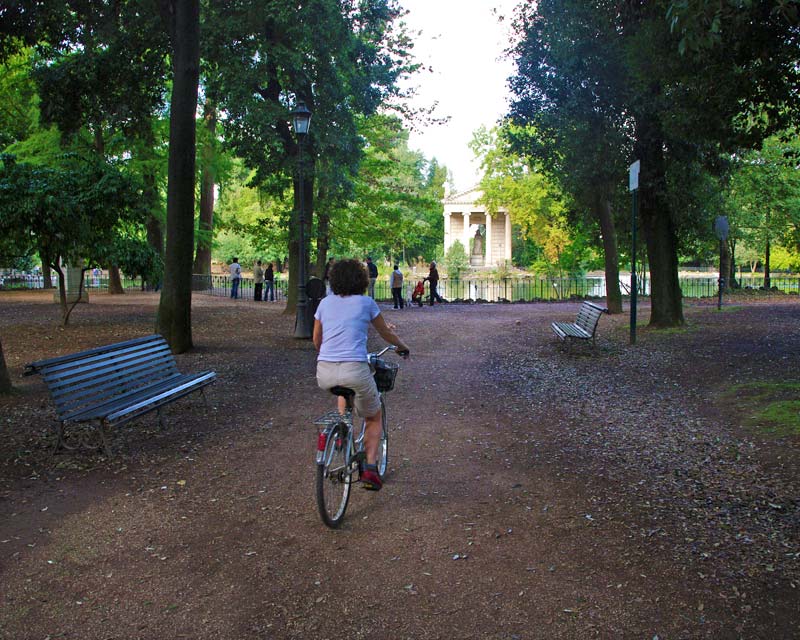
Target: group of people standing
263, 280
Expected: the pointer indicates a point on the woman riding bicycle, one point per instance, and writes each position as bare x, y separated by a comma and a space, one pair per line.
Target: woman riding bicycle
340, 335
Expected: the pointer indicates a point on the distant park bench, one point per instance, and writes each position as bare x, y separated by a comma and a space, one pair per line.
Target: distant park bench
116, 383
584, 327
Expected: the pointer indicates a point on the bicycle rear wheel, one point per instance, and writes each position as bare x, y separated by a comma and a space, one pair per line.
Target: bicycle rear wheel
383, 448
333, 478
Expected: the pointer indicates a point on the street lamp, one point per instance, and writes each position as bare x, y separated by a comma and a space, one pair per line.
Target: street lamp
301, 119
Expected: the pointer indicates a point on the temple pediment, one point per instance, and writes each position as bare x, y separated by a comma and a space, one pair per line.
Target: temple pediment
469, 196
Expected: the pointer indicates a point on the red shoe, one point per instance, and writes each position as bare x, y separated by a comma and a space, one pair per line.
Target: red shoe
370, 478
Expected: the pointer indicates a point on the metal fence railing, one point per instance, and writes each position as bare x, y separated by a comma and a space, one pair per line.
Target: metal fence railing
220, 286
472, 289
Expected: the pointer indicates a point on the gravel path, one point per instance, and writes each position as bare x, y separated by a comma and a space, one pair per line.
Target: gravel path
532, 492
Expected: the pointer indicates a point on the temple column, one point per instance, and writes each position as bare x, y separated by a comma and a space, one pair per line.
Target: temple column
488, 260
508, 238
466, 236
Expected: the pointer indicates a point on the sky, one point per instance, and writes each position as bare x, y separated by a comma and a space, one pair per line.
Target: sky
463, 42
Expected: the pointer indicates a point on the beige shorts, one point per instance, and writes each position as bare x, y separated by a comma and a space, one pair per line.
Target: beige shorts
358, 377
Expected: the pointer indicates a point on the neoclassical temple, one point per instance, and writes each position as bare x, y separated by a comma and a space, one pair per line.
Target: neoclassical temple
463, 219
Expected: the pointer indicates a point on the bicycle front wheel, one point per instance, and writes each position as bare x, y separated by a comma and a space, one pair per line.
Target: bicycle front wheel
383, 448
334, 478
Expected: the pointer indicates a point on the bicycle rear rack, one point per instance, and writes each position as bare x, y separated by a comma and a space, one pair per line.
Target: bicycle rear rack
334, 417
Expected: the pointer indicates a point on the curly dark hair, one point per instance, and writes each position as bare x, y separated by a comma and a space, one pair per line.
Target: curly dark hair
348, 278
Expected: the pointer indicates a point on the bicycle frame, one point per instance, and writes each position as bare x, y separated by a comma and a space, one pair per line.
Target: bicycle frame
340, 454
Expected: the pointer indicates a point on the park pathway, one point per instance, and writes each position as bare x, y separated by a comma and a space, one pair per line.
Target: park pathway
532, 493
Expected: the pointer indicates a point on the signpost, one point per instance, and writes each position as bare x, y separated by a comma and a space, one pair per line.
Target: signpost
721, 229
633, 187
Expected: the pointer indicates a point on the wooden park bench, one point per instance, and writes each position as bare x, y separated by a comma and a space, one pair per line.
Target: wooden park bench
116, 383
584, 327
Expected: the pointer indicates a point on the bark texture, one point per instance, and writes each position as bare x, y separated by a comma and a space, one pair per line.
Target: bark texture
202, 260
175, 306
658, 227
5, 378
611, 255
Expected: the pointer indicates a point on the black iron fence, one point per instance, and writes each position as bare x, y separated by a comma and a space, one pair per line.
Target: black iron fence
467, 290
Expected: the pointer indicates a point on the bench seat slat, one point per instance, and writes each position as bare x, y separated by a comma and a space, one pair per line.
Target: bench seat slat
138, 398
195, 382
36, 367
97, 406
60, 378
111, 378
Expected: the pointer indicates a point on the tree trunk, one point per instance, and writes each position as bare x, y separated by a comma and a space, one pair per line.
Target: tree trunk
175, 305
202, 260
115, 281
725, 265
294, 235
611, 255
767, 278
658, 228
47, 272
5, 377
323, 230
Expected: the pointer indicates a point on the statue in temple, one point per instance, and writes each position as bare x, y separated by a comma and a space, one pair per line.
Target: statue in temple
477, 244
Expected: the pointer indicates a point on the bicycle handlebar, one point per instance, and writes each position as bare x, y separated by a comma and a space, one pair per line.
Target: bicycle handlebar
389, 347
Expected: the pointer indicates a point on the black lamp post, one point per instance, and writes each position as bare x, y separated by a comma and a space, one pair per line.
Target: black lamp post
301, 119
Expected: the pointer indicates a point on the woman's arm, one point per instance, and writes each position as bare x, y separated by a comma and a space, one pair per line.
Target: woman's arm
317, 337
386, 333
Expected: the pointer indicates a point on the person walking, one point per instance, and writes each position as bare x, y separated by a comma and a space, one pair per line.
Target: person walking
372, 271
269, 283
433, 282
236, 276
258, 281
340, 336
397, 288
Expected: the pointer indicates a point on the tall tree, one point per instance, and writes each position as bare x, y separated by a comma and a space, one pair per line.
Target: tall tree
208, 155
674, 110
342, 58
175, 306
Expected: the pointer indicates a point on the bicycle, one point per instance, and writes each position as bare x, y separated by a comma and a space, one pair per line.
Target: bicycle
340, 452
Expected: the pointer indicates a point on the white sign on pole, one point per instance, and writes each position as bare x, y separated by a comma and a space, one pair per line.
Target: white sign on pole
633, 179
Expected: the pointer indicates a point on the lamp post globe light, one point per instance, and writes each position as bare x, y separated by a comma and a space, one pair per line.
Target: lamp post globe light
301, 120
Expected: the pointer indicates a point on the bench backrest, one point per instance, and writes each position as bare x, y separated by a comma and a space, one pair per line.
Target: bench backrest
94, 376
588, 317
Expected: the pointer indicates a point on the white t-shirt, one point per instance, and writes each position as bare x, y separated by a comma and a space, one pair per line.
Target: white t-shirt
345, 320
236, 271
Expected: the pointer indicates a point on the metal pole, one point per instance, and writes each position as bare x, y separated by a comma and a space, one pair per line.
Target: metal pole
633, 268
301, 326
721, 281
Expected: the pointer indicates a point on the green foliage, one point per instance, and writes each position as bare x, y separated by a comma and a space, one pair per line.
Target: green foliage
396, 209
763, 200
72, 211
536, 205
456, 260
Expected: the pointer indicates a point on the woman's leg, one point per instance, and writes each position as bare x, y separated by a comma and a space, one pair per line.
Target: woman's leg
372, 437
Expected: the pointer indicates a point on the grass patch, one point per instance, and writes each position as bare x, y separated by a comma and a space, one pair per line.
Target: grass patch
735, 307
771, 408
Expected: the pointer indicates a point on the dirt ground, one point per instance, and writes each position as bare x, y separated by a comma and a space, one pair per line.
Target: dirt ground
532, 492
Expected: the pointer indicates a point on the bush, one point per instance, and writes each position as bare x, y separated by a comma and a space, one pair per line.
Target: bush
456, 260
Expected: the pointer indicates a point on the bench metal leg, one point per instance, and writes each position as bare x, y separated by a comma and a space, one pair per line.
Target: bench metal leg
160, 419
205, 400
101, 427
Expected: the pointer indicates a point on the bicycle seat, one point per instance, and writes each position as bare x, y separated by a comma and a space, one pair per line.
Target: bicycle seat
342, 391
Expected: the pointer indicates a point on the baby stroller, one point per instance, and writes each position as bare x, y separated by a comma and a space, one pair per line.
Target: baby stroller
419, 291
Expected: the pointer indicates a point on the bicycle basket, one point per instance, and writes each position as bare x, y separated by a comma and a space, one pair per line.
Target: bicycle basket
385, 373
